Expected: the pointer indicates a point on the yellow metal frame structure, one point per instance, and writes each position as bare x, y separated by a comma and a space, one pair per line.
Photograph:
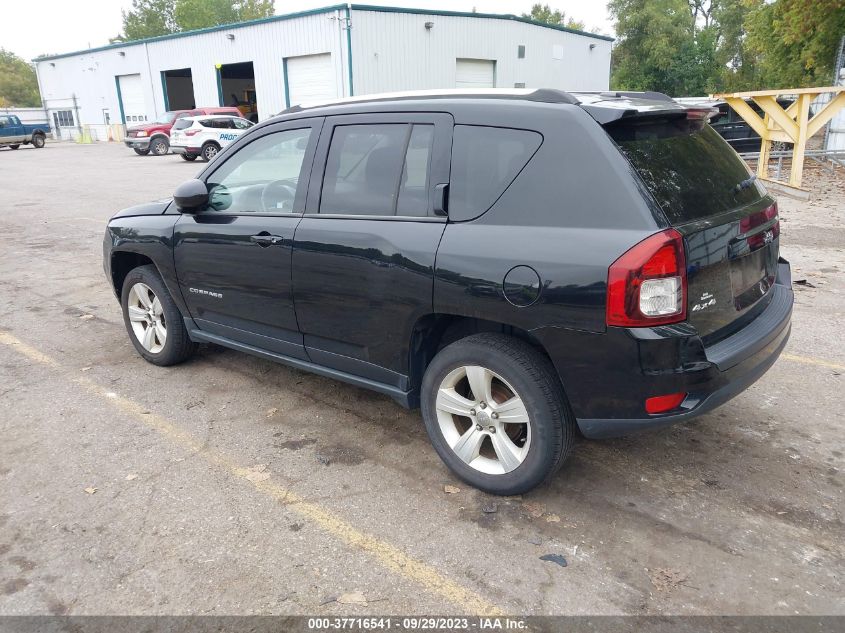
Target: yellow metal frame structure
791, 125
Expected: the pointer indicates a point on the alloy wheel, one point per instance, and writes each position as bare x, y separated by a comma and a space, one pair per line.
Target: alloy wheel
147, 318
483, 420
160, 148
209, 152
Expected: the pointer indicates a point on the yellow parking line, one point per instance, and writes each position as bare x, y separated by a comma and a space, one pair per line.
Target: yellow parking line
388, 555
813, 361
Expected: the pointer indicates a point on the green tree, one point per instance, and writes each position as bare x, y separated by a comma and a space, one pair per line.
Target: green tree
795, 41
544, 13
656, 47
254, 9
18, 84
149, 18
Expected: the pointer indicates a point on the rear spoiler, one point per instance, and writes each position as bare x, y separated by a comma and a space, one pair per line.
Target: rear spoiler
610, 107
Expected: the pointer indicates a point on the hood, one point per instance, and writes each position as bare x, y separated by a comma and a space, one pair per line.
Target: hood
148, 126
148, 208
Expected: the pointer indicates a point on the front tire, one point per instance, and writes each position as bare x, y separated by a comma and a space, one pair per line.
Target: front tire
38, 141
209, 151
153, 321
141, 152
496, 413
159, 146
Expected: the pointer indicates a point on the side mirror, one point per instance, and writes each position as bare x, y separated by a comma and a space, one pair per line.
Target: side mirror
191, 196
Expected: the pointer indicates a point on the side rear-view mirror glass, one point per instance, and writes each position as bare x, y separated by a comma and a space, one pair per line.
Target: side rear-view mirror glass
191, 196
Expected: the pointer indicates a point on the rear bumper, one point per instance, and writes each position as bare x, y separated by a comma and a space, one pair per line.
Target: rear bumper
635, 364
182, 149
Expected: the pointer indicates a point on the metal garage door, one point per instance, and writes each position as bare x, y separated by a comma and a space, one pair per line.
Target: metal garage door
132, 97
311, 79
475, 73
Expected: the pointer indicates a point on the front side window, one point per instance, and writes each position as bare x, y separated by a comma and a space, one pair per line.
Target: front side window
485, 161
242, 124
262, 177
380, 170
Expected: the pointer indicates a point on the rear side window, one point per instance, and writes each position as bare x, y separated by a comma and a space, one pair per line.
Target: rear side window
485, 161
378, 170
689, 169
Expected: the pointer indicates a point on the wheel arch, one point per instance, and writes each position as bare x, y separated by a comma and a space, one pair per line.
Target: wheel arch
432, 332
122, 263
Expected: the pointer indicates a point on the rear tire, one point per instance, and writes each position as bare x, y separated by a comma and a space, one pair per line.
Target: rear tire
141, 152
190, 158
154, 323
159, 146
38, 141
511, 439
16, 146
209, 151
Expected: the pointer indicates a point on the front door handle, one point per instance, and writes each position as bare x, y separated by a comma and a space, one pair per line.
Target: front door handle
264, 239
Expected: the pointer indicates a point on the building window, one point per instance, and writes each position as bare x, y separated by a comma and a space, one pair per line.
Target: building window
519, 84
63, 118
520, 51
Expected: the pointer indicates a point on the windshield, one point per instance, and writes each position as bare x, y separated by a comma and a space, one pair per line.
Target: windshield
689, 169
166, 118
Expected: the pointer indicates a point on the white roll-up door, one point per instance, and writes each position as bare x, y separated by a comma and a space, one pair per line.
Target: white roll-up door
311, 79
132, 97
475, 73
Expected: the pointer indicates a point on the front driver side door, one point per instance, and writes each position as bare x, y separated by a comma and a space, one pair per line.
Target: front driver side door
233, 260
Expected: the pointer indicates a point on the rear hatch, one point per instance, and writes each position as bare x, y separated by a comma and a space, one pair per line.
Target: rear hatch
177, 132
730, 225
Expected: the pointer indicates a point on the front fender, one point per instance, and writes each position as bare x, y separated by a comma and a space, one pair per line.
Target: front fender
150, 236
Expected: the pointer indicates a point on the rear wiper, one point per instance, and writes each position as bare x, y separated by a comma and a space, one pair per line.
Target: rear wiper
745, 184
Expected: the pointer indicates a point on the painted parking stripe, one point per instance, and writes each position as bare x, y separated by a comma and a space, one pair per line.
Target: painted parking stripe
389, 556
813, 361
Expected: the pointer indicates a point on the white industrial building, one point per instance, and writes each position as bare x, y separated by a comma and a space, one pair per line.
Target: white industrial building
317, 55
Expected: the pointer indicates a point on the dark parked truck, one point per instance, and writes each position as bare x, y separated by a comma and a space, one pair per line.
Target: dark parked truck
13, 133
519, 264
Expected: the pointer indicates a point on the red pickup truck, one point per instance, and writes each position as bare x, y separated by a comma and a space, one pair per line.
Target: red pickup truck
155, 136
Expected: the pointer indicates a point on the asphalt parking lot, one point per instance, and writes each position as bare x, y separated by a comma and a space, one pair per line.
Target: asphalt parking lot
232, 485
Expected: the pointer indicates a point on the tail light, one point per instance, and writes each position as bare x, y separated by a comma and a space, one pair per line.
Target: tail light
748, 223
648, 284
190, 132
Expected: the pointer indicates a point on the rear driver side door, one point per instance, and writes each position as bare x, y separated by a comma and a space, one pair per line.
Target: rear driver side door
363, 260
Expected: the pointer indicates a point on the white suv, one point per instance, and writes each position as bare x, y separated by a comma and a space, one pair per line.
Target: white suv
206, 135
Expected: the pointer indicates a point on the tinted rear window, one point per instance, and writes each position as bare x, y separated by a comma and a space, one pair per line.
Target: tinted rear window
485, 161
182, 124
689, 169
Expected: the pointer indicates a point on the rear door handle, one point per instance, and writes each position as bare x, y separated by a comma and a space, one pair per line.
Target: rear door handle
264, 239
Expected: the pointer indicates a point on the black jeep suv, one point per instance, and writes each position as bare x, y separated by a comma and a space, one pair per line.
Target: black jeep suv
515, 263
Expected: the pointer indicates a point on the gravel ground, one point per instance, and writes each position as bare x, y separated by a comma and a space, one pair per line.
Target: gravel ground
232, 485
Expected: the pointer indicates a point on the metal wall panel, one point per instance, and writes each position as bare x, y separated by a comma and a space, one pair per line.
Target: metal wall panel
391, 51
395, 51
91, 76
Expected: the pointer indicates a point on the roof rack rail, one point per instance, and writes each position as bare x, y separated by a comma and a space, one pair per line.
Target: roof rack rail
540, 95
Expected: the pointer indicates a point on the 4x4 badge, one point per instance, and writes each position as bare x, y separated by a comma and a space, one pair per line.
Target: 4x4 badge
707, 300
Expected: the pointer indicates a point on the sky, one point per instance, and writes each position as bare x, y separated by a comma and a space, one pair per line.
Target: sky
70, 26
